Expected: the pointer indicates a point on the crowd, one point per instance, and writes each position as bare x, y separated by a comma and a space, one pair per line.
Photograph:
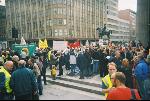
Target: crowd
122, 67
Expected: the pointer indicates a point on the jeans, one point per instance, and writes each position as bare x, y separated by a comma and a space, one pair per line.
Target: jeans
72, 66
95, 66
40, 87
140, 83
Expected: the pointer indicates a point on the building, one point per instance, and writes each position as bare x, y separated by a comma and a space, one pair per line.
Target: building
2, 22
55, 19
3, 44
143, 21
123, 30
130, 16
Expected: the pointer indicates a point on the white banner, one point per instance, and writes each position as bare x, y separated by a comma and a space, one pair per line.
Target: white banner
60, 45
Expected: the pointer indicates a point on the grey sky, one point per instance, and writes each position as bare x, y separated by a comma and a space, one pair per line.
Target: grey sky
128, 4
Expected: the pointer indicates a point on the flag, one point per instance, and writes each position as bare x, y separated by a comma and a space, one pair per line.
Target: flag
74, 45
23, 42
45, 43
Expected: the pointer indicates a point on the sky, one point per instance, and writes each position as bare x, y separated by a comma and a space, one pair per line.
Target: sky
2, 2
128, 4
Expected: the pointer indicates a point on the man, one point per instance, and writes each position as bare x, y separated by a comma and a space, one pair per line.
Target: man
147, 82
141, 73
23, 82
5, 90
121, 92
118, 60
106, 81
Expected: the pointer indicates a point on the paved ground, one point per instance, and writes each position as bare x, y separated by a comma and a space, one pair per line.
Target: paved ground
54, 92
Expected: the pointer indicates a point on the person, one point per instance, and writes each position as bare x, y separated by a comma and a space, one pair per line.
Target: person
117, 60
23, 82
147, 83
5, 90
106, 81
141, 73
81, 61
61, 63
121, 92
127, 70
53, 72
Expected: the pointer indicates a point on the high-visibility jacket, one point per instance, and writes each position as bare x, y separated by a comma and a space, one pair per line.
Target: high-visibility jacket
49, 55
107, 82
7, 79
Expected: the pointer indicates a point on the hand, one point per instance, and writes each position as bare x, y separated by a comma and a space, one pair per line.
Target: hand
111, 88
34, 93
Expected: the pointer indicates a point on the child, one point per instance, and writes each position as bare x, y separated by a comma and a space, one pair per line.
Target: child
53, 72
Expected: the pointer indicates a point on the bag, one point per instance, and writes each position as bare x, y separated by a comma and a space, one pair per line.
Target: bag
133, 96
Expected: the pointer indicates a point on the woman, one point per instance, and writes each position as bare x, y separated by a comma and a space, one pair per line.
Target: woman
127, 70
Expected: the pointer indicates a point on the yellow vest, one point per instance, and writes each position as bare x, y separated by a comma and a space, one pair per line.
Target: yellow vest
49, 55
107, 82
7, 79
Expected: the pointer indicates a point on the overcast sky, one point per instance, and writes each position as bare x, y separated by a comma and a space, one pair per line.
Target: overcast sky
123, 4
128, 4
2, 2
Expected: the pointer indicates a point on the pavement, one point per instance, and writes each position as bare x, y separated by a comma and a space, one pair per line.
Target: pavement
55, 92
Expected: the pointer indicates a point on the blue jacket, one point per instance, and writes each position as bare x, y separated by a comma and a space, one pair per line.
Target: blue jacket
141, 70
23, 82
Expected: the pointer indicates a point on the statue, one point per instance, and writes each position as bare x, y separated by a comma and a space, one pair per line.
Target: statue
104, 31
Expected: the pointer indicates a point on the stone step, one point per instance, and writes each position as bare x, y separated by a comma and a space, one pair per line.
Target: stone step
78, 86
80, 81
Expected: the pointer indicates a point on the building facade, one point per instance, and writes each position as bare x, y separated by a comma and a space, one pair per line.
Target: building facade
143, 21
2, 23
130, 16
3, 43
55, 19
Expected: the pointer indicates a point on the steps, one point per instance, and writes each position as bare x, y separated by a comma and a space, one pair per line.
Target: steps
75, 83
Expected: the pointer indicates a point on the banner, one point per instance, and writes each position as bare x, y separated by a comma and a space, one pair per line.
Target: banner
60, 45
74, 45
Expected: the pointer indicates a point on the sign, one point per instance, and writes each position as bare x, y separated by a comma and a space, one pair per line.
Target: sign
149, 51
18, 48
60, 45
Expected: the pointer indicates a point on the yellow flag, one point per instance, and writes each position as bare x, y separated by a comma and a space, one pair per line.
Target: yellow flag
45, 43
41, 44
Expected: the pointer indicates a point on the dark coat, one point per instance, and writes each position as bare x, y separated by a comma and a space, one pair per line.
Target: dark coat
23, 82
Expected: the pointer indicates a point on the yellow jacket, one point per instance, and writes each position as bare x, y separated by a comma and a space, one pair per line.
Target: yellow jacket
7, 79
107, 82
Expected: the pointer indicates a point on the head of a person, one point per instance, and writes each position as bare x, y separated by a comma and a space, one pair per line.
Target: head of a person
140, 56
8, 65
112, 68
15, 58
118, 79
21, 63
125, 62
117, 54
